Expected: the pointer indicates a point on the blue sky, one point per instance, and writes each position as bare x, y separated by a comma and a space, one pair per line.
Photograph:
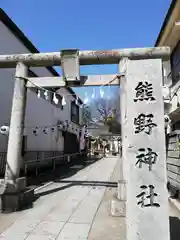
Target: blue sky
52, 25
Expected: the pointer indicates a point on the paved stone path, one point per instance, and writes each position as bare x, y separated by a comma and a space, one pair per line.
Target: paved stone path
65, 209
104, 225
74, 208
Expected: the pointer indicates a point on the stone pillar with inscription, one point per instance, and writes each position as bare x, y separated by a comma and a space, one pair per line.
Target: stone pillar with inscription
144, 151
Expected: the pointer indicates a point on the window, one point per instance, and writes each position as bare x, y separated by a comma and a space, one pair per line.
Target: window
175, 64
31, 73
59, 100
176, 126
74, 113
24, 146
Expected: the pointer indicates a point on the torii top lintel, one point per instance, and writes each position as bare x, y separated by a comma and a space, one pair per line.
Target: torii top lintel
85, 57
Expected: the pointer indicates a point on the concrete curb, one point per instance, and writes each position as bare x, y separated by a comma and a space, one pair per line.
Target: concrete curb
43, 186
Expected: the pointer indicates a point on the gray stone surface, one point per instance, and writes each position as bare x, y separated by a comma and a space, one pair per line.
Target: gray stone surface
12, 200
40, 237
14, 194
64, 214
151, 222
48, 228
121, 191
118, 208
74, 231
20, 229
105, 226
88, 207
32, 224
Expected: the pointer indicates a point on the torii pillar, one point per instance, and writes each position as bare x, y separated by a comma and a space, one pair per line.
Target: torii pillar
143, 150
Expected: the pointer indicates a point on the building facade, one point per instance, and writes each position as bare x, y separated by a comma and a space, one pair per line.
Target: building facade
51, 128
170, 36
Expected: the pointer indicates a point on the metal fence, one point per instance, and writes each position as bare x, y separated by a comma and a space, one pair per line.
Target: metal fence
39, 159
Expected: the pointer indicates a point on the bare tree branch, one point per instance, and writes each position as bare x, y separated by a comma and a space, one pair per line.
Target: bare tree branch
103, 110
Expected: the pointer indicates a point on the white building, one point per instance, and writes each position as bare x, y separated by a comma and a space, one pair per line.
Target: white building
41, 136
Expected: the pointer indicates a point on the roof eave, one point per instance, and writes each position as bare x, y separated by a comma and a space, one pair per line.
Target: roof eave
168, 15
7, 21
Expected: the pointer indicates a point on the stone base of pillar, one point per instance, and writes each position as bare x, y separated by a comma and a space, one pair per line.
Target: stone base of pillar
118, 203
15, 196
118, 208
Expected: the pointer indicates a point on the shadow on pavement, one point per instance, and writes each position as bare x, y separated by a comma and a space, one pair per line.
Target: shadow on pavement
62, 171
57, 176
78, 183
174, 228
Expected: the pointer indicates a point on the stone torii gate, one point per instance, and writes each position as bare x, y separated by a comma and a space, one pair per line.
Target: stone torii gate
142, 185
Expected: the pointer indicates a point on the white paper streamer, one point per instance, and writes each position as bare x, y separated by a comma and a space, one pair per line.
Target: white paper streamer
101, 92
46, 94
109, 92
86, 100
39, 94
63, 101
55, 99
93, 94
77, 100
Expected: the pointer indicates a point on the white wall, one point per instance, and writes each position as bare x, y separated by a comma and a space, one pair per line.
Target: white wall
42, 113
39, 112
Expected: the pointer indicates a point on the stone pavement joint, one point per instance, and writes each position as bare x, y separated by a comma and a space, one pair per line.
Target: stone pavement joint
104, 225
76, 212
64, 214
